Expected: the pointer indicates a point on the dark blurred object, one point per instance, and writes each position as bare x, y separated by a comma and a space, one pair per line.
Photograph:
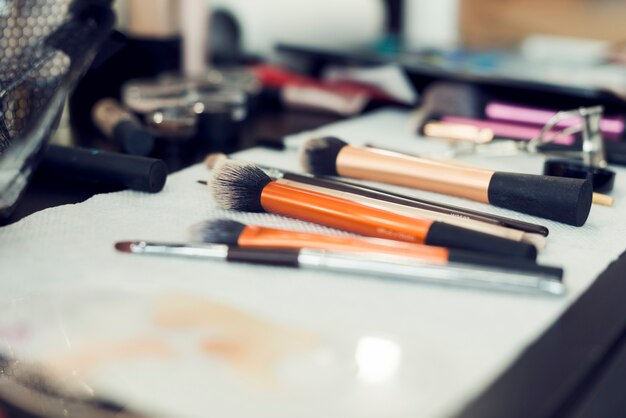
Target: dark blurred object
27, 392
589, 162
504, 77
121, 126
299, 91
120, 59
199, 115
45, 47
602, 179
615, 152
441, 99
102, 167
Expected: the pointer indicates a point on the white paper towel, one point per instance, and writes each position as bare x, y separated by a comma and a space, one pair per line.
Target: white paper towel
386, 349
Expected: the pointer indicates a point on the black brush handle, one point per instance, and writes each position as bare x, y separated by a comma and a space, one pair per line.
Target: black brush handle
561, 199
509, 264
120, 170
273, 257
444, 235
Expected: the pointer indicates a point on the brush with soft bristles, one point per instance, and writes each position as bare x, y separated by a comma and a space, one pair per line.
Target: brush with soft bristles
245, 187
561, 199
531, 233
229, 232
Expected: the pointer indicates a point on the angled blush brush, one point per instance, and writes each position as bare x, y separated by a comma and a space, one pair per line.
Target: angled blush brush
380, 266
245, 187
229, 232
561, 199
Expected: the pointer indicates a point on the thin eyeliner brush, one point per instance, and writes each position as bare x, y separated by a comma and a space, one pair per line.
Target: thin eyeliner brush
373, 265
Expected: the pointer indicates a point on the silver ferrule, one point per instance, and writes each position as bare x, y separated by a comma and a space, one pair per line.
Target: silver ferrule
214, 251
274, 173
408, 269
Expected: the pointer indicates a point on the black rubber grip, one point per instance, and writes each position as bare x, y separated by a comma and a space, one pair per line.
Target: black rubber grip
509, 264
451, 236
560, 199
274, 257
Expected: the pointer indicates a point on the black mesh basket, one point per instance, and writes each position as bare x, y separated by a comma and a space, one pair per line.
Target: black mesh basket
45, 46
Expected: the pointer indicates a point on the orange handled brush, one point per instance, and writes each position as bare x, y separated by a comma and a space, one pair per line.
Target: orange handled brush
233, 233
245, 187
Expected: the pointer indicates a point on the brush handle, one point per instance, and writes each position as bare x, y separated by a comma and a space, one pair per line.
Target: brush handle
268, 256
566, 200
446, 235
261, 237
474, 225
524, 266
354, 217
560, 199
404, 170
492, 278
120, 170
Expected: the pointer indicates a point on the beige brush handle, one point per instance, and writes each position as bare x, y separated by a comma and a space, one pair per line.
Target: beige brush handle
470, 183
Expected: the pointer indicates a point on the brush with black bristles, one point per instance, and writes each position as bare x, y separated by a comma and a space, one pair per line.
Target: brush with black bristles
229, 232
245, 187
561, 199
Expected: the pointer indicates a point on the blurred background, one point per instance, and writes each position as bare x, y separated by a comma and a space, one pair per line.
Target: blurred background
176, 79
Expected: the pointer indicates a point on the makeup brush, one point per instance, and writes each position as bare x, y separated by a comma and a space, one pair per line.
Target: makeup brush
390, 203
375, 265
229, 232
561, 199
398, 205
537, 240
596, 199
532, 230
245, 187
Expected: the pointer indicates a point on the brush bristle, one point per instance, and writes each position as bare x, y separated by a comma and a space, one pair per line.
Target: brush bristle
219, 231
237, 185
211, 160
123, 246
319, 155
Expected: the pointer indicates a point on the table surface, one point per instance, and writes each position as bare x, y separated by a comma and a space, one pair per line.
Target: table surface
457, 342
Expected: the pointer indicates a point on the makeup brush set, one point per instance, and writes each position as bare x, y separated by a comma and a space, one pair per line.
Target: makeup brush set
395, 236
